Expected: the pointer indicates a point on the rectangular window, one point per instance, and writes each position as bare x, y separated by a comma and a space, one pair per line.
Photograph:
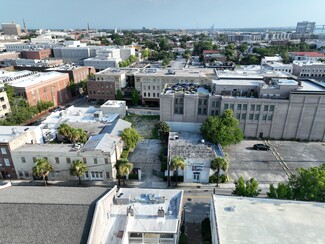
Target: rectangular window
20, 173
144, 94
217, 112
106, 160
205, 101
87, 175
266, 107
244, 107
84, 160
205, 111
238, 116
4, 106
200, 101
3, 150
264, 117
243, 116
257, 116
199, 111
213, 104
270, 117
226, 106
258, 107
251, 116
176, 100
154, 94
68, 161
157, 94
212, 113
95, 161
217, 104
107, 175
26, 173
148, 94
232, 106
57, 160
238, 106
252, 107
271, 107
23, 160
7, 162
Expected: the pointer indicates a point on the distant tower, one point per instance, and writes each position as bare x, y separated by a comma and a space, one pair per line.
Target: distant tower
88, 27
25, 27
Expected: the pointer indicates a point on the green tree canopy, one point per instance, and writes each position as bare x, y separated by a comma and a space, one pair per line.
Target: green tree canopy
42, 168
176, 163
134, 97
219, 163
130, 137
307, 185
78, 168
223, 129
246, 189
123, 168
163, 130
72, 134
119, 95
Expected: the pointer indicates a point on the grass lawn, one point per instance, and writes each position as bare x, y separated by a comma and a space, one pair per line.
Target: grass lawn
145, 125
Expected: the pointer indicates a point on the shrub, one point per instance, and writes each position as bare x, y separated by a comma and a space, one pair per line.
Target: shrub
125, 153
163, 166
133, 176
222, 179
213, 179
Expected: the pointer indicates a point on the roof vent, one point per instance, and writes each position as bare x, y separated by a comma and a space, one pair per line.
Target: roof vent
161, 212
230, 209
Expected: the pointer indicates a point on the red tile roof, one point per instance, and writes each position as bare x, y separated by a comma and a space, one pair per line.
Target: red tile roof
309, 54
210, 51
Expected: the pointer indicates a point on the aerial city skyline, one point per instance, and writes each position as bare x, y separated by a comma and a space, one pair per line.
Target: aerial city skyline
165, 14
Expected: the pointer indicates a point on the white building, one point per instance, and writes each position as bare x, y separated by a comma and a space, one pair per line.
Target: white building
257, 220
129, 216
11, 29
127, 52
306, 56
309, 69
114, 107
100, 154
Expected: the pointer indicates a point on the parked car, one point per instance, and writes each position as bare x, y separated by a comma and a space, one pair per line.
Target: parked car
261, 147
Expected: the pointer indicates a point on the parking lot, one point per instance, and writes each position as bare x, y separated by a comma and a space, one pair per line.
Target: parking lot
265, 167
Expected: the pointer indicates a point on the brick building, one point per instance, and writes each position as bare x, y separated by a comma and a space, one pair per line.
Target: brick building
37, 54
50, 86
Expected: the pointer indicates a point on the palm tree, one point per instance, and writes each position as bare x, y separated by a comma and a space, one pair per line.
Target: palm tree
64, 129
177, 163
42, 168
123, 168
217, 164
78, 168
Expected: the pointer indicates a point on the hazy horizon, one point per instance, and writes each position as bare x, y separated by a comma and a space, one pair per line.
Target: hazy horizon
162, 14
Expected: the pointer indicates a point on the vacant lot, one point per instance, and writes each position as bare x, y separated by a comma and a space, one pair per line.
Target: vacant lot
263, 165
144, 124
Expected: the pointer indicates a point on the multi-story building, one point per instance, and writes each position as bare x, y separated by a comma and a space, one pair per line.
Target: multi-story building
76, 73
12, 137
50, 86
126, 52
106, 84
277, 66
114, 107
19, 47
4, 102
100, 154
305, 27
277, 108
8, 55
11, 29
309, 69
37, 54
137, 216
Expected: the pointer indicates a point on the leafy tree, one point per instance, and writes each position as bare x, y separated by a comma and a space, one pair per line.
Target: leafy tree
246, 189
119, 95
42, 168
243, 47
163, 130
123, 168
132, 59
217, 164
307, 185
177, 162
78, 168
145, 53
134, 97
130, 137
223, 129
42, 106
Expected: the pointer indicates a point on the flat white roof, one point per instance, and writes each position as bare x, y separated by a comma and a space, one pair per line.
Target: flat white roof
145, 203
36, 79
233, 82
268, 221
311, 86
7, 133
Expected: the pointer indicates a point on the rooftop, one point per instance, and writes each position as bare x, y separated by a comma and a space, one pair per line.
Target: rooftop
101, 142
311, 86
29, 213
242, 82
309, 54
7, 133
187, 88
191, 146
145, 204
258, 220
36, 79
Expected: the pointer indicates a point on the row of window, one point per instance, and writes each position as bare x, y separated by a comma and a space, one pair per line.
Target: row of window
203, 102
68, 160
149, 94
96, 175
101, 92
255, 117
153, 87
312, 75
254, 107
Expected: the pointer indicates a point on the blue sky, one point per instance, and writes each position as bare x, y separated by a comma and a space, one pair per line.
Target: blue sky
126, 14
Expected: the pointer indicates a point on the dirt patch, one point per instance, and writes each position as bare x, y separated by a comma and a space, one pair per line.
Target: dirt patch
144, 125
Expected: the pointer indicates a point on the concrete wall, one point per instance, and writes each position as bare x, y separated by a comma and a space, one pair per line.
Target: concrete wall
184, 127
101, 217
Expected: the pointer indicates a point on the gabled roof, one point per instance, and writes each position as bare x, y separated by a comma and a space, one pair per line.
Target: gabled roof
309, 54
47, 214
